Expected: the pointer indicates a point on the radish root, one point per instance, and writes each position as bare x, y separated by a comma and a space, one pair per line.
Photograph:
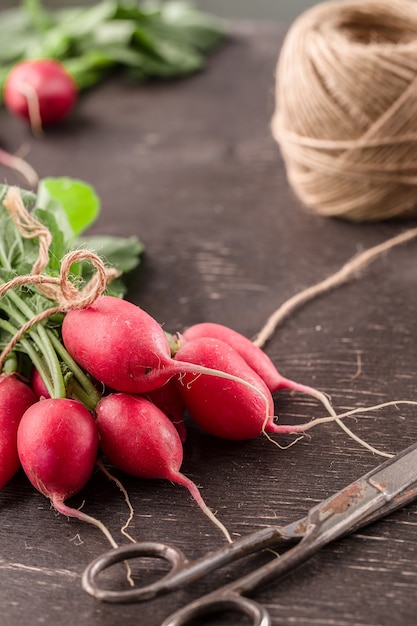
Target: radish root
345, 273
119, 484
195, 493
63, 508
322, 397
339, 417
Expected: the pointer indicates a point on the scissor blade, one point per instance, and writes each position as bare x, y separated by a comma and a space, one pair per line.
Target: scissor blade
382, 490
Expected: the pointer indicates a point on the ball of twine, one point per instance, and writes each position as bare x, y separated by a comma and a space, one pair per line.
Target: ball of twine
346, 108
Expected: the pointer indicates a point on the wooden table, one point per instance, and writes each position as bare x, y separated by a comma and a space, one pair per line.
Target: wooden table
191, 168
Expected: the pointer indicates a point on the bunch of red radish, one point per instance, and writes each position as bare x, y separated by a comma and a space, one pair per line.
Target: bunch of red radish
218, 376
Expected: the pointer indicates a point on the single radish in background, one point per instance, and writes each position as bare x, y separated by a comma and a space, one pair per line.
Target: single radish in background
139, 439
222, 407
57, 443
15, 398
40, 91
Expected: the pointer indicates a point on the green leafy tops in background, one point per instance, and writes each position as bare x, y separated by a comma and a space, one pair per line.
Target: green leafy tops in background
147, 39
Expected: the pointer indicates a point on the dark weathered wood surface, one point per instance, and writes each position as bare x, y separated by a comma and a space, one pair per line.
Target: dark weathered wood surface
191, 168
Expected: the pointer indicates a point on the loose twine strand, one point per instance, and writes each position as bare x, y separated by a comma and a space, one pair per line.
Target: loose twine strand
59, 289
346, 108
345, 273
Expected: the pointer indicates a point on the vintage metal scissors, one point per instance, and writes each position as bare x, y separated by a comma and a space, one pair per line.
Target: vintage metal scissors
384, 489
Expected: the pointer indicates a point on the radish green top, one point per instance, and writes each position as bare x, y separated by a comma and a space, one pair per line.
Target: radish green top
146, 39
66, 207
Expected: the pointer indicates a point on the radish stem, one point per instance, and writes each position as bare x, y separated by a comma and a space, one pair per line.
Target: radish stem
93, 395
61, 507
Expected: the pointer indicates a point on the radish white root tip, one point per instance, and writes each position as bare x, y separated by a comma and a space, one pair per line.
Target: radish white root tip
195, 493
326, 403
339, 417
119, 484
278, 445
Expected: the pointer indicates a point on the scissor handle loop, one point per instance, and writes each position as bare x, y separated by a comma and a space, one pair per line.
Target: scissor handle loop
217, 602
172, 555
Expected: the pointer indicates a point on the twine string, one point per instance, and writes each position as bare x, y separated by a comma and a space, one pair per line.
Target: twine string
346, 108
351, 268
28, 227
58, 289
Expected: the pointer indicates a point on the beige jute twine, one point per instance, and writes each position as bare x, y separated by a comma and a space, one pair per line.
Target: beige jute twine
346, 108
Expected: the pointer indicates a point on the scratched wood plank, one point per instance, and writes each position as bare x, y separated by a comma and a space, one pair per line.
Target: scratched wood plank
191, 168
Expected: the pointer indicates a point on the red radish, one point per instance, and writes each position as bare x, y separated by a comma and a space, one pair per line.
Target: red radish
57, 442
223, 407
264, 367
41, 91
255, 357
119, 344
15, 398
169, 400
38, 385
122, 346
139, 439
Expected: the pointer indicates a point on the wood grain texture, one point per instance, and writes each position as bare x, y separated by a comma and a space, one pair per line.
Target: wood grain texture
190, 167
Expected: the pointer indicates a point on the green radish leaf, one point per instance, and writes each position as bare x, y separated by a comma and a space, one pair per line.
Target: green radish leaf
119, 252
39, 17
54, 44
15, 34
55, 208
81, 22
16, 253
152, 39
118, 32
89, 68
116, 288
6, 274
184, 23
78, 199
